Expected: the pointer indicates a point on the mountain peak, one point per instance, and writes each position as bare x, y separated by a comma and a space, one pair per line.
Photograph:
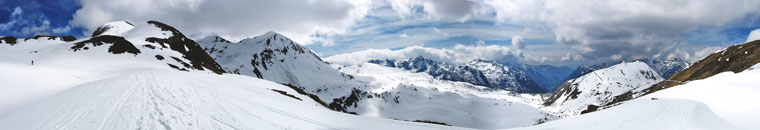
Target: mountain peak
214, 38
116, 28
601, 87
418, 58
271, 33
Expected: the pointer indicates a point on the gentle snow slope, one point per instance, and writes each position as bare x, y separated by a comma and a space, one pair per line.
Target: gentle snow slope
726, 101
663, 114
167, 99
733, 96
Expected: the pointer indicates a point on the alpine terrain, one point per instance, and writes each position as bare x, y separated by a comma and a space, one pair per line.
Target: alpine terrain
151, 75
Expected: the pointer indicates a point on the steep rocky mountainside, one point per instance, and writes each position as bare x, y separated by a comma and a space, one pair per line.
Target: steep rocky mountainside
598, 88
275, 57
142, 43
736, 58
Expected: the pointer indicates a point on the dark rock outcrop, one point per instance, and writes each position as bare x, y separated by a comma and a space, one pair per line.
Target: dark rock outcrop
62, 38
119, 45
190, 50
10, 40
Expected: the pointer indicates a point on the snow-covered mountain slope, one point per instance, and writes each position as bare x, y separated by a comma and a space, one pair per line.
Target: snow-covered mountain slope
598, 88
132, 82
168, 99
585, 69
663, 114
147, 42
399, 94
276, 58
736, 58
663, 67
666, 68
117, 28
109, 55
731, 104
479, 72
732, 96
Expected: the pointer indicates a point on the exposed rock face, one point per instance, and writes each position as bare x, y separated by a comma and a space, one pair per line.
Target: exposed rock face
190, 50
117, 28
119, 45
274, 57
61, 38
10, 40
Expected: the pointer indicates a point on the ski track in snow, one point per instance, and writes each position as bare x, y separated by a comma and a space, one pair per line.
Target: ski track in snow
186, 100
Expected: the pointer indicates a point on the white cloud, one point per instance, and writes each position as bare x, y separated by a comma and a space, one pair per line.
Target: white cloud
628, 28
754, 35
16, 11
37, 30
234, 19
592, 30
480, 43
404, 8
458, 54
24, 24
15, 16
446, 10
571, 57
616, 57
61, 30
460, 10
693, 53
518, 42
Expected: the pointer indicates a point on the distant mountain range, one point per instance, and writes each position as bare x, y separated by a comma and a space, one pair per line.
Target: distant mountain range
664, 68
493, 74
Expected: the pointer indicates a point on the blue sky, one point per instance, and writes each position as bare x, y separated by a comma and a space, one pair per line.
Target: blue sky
549, 32
32, 15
